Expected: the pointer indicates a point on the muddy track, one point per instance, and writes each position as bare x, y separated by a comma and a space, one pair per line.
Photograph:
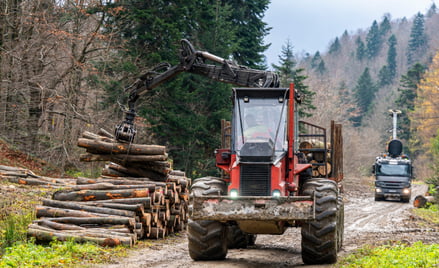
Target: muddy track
366, 222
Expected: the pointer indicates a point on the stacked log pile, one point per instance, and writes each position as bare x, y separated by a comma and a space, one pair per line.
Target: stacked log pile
314, 152
138, 196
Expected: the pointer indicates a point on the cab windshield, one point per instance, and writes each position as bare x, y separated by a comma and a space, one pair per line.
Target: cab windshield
261, 119
393, 170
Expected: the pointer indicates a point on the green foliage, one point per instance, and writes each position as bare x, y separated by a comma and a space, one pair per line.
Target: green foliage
391, 56
384, 76
57, 254
247, 17
13, 228
385, 26
335, 46
418, 39
399, 255
429, 214
289, 74
361, 49
432, 10
364, 96
373, 40
405, 101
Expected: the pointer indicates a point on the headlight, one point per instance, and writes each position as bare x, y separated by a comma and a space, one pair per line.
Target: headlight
406, 191
378, 190
233, 193
276, 193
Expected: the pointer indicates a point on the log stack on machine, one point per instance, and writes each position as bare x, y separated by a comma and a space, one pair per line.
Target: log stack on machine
137, 196
319, 151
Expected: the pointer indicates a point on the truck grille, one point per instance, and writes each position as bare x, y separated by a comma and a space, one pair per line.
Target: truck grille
255, 180
392, 184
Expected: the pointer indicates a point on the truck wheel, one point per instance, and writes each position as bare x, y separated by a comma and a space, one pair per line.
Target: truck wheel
207, 240
320, 237
238, 239
405, 199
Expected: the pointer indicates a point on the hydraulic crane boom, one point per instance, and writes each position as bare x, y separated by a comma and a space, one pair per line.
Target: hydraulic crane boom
192, 61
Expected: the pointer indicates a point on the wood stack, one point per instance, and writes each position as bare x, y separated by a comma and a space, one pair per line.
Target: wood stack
121, 206
127, 159
314, 150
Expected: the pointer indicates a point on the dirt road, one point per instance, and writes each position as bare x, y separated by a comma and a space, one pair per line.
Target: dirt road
366, 222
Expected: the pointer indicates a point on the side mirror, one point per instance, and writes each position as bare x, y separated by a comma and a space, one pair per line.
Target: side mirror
373, 169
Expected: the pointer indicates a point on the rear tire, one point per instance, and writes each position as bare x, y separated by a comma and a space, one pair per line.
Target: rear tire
320, 237
207, 240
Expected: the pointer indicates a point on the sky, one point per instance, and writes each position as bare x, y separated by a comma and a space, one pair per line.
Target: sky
311, 25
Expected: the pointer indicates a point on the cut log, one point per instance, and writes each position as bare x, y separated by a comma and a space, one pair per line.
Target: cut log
96, 220
58, 226
44, 211
109, 186
121, 148
114, 181
122, 158
93, 209
89, 195
45, 235
421, 201
323, 171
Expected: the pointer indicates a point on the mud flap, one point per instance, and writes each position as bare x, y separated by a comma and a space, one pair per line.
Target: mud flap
225, 208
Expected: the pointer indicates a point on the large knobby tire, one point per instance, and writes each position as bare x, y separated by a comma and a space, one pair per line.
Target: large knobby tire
239, 239
207, 240
320, 237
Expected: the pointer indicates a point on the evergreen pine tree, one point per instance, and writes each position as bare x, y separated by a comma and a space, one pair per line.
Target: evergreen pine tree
247, 16
321, 68
361, 49
391, 56
406, 99
373, 40
385, 26
316, 59
418, 39
335, 46
364, 95
432, 10
288, 74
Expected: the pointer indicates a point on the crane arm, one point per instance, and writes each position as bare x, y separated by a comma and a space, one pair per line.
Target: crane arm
191, 61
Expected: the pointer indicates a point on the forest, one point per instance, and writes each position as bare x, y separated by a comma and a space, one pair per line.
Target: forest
65, 65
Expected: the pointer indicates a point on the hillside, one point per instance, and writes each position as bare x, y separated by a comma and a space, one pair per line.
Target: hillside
334, 76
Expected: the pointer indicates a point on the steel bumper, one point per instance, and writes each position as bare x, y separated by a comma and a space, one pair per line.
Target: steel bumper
225, 208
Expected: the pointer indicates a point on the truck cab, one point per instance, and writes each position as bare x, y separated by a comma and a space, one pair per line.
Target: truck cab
393, 174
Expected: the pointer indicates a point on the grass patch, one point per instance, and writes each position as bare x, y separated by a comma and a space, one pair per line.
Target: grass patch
57, 254
399, 255
430, 214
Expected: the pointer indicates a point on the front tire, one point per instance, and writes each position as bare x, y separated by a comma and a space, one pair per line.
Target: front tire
321, 237
207, 240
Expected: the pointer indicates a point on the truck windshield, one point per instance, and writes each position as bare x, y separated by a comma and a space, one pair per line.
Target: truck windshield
261, 119
393, 170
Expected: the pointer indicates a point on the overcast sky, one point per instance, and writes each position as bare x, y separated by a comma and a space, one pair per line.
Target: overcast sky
311, 25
